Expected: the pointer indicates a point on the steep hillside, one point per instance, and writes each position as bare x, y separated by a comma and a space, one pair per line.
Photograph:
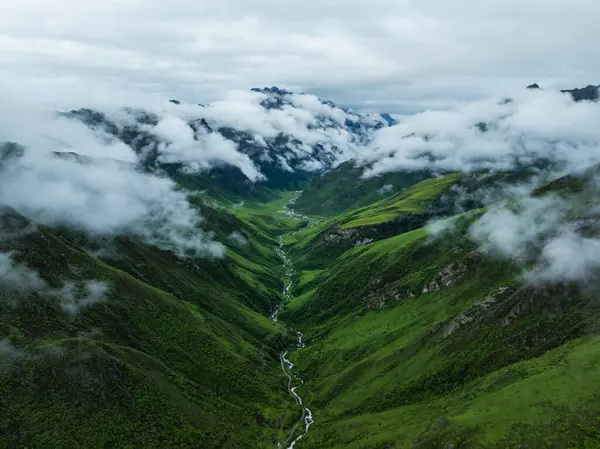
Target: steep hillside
344, 188
117, 343
428, 340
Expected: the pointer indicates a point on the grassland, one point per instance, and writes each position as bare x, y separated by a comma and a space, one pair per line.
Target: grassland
177, 353
413, 340
421, 342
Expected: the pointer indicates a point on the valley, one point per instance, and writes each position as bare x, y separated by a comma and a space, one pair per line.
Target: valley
341, 291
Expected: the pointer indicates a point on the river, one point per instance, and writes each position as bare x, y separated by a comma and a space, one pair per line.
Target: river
294, 381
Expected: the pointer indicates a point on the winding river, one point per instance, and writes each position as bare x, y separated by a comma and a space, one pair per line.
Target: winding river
286, 365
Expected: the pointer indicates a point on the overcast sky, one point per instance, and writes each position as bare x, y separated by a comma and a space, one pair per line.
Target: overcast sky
386, 55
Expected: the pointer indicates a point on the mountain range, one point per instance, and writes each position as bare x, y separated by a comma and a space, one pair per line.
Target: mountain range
272, 270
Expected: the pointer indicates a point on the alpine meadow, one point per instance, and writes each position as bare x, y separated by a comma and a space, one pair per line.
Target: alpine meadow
397, 245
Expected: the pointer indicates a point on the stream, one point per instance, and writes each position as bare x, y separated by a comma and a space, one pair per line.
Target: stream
286, 365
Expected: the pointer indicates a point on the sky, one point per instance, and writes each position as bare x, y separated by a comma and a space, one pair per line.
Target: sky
398, 56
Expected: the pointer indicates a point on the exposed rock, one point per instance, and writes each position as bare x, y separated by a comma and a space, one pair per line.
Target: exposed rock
342, 235
447, 277
457, 323
381, 298
476, 310
531, 299
362, 242
493, 297
589, 93
533, 86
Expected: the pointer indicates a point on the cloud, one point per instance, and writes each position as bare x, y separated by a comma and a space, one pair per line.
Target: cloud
516, 233
200, 150
292, 126
104, 197
74, 297
544, 236
492, 134
8, 352
569, 256
67, 173
401, 56
245, 129
385, 189
238, 238
19, 279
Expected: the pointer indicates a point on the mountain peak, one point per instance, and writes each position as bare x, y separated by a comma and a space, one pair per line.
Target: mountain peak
271, 90
589, 93
533, 86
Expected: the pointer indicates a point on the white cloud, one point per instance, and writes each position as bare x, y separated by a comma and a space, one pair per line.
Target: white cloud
541, 235
516, 233
18, 277
238, 238
201, 150
101, 196
569, 256
71, 297
385, 189
535, 124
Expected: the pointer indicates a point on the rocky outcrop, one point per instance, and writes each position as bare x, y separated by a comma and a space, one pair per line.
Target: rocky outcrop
531, 299
341, 235
589, 93
477, 310
381, 298
362, 242
451, 274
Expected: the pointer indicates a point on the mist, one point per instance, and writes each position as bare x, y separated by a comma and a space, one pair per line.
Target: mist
526, 128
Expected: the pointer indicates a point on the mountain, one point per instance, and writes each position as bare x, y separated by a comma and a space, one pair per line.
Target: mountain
422, 341
169, 354
589, 93
166, 284
289, 138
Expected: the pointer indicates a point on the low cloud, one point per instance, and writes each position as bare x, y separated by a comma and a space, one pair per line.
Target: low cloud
569, 256
63, 172
516, 233
238, 238
104, 197
200, 151
542, 236
385, 189
290, 127
17, 280
18, 277
543, 127
244, 129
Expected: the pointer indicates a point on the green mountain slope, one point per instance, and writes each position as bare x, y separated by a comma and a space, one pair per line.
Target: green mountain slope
416, 341
343, 189
176, 354
416, 336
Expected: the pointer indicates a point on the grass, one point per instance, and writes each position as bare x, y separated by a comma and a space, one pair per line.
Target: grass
412, 341
309, 277
179, 354
388, 365
513, 406
411, 201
